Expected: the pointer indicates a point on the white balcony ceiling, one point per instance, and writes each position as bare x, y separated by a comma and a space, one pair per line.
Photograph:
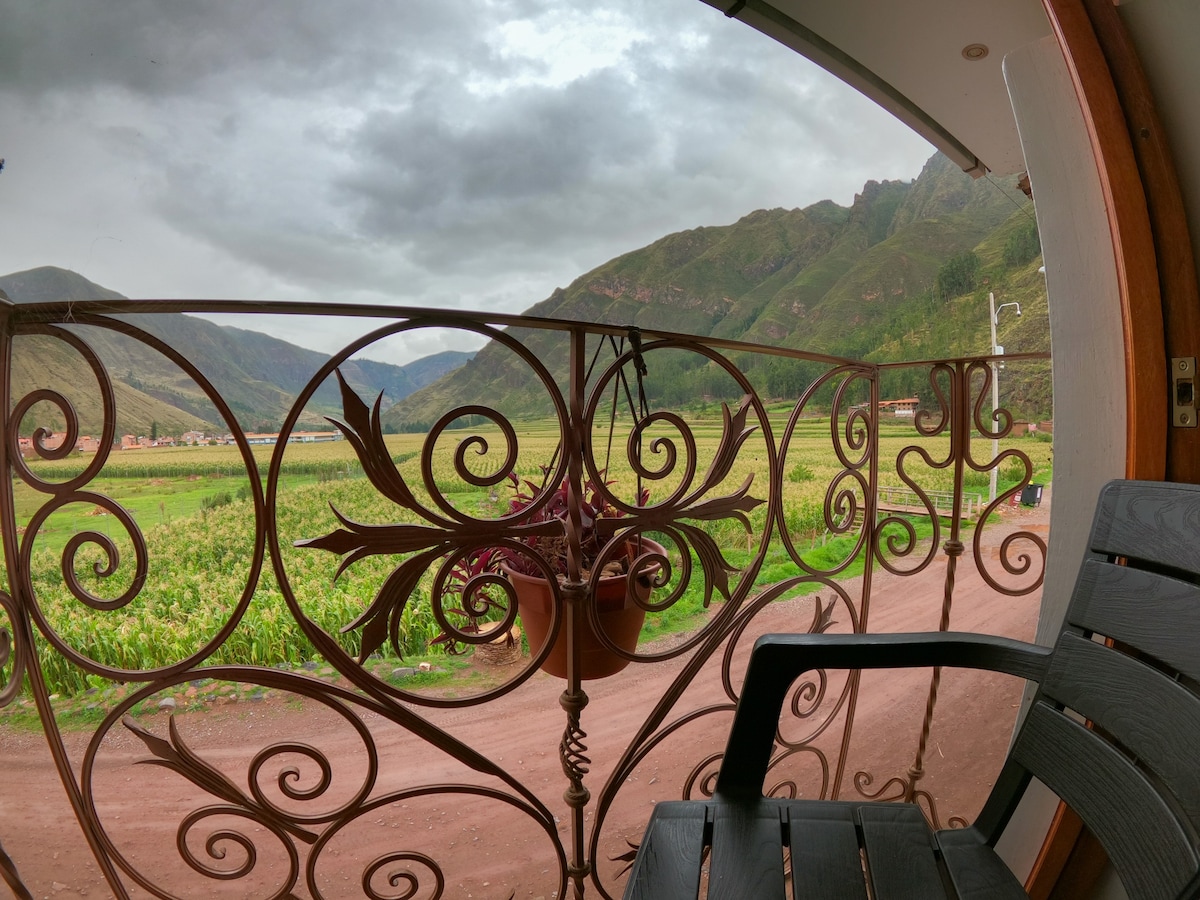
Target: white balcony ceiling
907, 56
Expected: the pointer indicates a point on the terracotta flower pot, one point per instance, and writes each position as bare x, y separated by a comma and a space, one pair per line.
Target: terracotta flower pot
620, 618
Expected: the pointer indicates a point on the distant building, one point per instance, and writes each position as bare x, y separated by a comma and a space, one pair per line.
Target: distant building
295, 437
905, 407
86, 444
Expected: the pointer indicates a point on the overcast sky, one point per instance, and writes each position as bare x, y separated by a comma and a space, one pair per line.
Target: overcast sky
469, 154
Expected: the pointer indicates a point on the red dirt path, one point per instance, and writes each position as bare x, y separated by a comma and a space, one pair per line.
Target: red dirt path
486, 849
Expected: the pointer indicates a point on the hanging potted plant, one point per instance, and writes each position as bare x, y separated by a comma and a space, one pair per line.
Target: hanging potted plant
619, 590
535, 528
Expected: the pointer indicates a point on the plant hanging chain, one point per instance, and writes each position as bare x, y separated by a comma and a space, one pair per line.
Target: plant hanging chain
639, 409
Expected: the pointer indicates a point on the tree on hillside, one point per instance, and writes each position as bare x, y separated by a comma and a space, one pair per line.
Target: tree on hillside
1022, 246
957, 275
788, 379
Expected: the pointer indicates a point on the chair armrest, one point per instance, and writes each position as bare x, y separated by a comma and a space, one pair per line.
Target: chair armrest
778, 659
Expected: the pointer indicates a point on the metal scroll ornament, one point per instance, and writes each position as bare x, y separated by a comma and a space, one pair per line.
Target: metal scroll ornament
450, 544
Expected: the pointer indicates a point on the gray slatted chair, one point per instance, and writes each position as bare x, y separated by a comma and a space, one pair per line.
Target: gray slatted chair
1134, 778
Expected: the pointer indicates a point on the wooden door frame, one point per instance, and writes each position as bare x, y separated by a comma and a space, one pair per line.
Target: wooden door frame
1160, 305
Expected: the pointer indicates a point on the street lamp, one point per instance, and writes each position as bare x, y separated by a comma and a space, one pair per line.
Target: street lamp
993, 317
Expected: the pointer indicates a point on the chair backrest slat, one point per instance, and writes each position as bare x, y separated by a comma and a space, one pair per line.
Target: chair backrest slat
1144, 711
1151, 851
1152, 522
1152, 613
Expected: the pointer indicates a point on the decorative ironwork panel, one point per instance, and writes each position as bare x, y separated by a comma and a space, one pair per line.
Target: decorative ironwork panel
468, 658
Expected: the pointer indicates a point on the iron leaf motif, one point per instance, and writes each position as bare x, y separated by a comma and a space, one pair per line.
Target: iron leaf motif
734, 432
355, 541
382, 618
627, 857
175, 755
364, 430
736, 505
712, 561
822, 617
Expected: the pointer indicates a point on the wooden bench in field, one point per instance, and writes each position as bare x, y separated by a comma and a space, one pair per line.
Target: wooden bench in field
1127, 661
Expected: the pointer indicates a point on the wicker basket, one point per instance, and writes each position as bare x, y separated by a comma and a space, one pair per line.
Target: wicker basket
500, 651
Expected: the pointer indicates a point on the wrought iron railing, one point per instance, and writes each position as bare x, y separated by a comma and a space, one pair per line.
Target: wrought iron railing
335, 765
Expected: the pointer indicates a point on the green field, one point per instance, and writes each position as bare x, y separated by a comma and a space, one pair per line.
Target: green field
195, 512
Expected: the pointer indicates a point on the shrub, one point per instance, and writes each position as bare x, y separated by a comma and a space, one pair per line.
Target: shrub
1013, 470
216, 500
800, 472
971, 478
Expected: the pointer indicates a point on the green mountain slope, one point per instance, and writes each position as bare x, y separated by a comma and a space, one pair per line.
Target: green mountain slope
859, 282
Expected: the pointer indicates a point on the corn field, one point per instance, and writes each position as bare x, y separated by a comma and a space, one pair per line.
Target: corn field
198, 566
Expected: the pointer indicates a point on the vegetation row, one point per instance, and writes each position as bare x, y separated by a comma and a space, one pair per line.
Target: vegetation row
199, 565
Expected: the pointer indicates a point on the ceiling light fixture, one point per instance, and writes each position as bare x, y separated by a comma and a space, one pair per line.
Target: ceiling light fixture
974, 52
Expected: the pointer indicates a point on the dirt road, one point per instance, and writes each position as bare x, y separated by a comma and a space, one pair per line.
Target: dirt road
485, 847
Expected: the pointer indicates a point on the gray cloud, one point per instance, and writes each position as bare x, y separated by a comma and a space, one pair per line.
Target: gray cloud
475, 153
454, 162
162, 49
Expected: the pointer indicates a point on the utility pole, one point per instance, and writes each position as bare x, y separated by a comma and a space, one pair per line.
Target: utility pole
993, 317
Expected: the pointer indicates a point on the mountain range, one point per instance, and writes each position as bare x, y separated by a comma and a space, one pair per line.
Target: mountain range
903, 273
259, 376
